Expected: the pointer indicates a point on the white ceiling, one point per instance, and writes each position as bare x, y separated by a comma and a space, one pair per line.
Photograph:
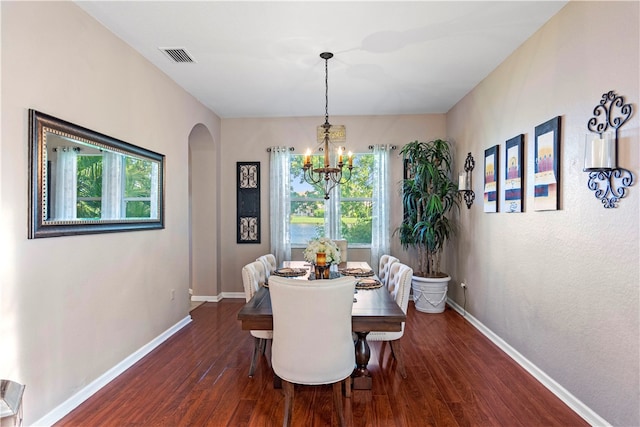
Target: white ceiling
261, 59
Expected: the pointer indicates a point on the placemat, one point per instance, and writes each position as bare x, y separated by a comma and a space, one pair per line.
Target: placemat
358, 272
368, 283
290, 272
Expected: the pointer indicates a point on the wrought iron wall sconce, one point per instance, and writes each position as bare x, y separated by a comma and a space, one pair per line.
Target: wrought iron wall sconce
464, 181
600, 156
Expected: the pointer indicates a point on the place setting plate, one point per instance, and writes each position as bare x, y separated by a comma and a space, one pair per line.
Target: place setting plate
357, 272
290, 272
368, 283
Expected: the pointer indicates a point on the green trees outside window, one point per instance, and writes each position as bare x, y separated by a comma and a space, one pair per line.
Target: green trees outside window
89, 186
137, 187
308, 208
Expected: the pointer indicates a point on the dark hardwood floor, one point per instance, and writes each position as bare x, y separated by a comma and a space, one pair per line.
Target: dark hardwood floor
456, 377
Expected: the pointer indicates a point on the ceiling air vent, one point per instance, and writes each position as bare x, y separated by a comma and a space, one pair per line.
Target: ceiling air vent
177, 54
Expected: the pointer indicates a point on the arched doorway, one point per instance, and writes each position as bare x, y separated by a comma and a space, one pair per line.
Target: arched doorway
203, 215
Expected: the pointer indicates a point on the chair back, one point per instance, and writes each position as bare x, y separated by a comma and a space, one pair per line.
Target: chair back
312, 342
399, 284
342, 245
252, 277
385, 265
269, 262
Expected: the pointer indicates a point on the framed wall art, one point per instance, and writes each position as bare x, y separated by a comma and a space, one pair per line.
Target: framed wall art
491, 166
514, 174
248, 202
546, 178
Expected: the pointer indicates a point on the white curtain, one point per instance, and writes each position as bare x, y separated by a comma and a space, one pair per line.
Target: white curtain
66, 185
332, 215
279, 203
112, 185
154, 191
380, 240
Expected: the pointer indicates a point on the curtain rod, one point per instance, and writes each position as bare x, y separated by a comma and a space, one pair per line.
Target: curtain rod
392, 147
76, 149
290, 149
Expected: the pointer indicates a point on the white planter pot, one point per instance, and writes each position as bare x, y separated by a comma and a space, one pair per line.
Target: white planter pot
430, 294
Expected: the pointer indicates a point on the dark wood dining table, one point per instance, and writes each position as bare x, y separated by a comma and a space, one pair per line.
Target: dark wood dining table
373, 310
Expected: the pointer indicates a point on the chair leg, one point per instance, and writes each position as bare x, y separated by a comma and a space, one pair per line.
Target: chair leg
254, 357
383, 346
337, 401
263, 345
347, 386
288, 402
396, 350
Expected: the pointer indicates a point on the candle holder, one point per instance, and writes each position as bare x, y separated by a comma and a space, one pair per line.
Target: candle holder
322, 272
464, 181
321, 259
606, 180
321, 268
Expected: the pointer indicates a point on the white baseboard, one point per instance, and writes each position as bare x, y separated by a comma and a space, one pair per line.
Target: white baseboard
217, 298
232, 295
205, 298
572, 402
74, 401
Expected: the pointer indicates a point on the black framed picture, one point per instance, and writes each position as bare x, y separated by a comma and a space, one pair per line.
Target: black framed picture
514, 174
546, 176
248, 202
491, 166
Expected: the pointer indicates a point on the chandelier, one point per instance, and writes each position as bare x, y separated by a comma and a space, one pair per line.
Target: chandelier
328, 175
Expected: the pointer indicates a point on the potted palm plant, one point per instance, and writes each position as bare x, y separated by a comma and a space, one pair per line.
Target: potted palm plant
428, 195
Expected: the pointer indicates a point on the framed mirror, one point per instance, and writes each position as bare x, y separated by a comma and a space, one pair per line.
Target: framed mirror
84, 182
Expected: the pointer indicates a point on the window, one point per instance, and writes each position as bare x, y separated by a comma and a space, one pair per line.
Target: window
89, 200
136, 180
137, 188
310, 213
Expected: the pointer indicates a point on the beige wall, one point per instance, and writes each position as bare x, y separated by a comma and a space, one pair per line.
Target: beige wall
560, 287
74, 307
248, 139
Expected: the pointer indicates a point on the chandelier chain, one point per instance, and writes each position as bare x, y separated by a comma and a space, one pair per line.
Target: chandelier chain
327, 176
326, 91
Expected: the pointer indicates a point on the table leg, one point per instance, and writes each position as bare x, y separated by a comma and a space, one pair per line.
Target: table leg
361, 376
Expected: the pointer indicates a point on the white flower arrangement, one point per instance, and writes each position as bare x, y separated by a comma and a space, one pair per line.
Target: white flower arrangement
323, 244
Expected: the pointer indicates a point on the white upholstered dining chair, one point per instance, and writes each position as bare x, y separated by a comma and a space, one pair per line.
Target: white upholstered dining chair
399, 286
385, 265
269, 262
343, 246
312, 342
253, 275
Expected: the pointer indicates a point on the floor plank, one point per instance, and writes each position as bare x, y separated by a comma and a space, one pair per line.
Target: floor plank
199, 377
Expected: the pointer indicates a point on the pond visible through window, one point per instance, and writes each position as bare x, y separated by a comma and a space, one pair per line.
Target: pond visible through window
310, 212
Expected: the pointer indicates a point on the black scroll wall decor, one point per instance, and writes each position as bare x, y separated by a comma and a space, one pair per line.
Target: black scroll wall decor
248, 202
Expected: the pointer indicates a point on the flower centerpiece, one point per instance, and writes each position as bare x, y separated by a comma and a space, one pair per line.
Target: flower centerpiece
322, 253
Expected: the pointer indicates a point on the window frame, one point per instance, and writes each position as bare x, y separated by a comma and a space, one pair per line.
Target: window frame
328, 204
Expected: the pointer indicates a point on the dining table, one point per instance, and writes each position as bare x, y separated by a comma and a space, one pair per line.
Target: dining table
373, 310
